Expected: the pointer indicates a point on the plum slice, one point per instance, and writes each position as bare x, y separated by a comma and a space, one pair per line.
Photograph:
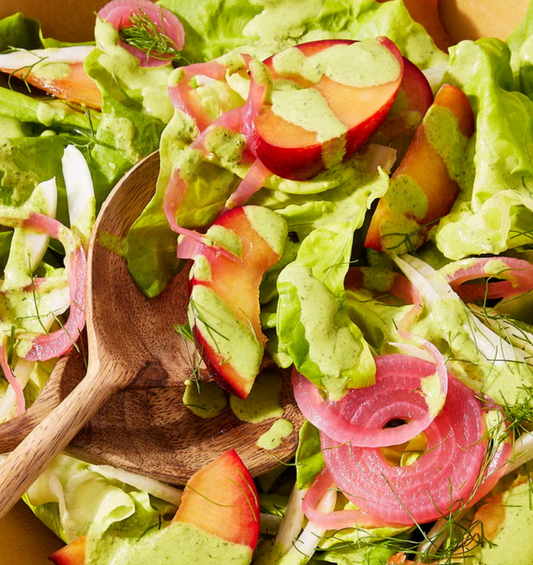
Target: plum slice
425, 185
224, 293
324, 100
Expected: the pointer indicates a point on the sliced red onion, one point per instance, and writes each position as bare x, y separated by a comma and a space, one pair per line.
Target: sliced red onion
518, 275
177, 186
12, 380
119, 12
360, 417
60, 341
441, 480
189, 248
255, 178
339, 519
184, 97
258, 95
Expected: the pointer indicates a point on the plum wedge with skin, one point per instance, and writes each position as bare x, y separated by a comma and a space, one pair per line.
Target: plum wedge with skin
220, 505
317, 103
222, 499
71, 554
224, 293
425, 185
412, 102
59, 72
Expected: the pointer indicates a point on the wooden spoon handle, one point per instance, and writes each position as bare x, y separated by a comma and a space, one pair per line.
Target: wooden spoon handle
51, 436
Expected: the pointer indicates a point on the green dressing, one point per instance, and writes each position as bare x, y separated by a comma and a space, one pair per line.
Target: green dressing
513, 542
432, 391
233, 340
202, 268
406, 197
227, 145
318, 308
274, 437
263, 402
270, 226
308, 109
226, 238
442, 131
205, 400
179, 542
352, 64
51, 71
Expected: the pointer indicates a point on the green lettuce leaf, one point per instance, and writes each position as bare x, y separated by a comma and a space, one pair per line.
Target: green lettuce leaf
497, 213
309, 460
212, 27
21, 32
262, 28
313, 324
73, 497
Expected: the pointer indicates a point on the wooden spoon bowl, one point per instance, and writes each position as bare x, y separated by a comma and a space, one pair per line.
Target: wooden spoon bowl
132, 342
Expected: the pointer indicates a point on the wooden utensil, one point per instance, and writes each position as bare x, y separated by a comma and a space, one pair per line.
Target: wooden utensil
131, 339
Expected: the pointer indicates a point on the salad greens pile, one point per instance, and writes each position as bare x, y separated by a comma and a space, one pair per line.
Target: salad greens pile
488, 345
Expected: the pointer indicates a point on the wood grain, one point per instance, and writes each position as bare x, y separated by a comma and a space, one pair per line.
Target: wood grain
132, 339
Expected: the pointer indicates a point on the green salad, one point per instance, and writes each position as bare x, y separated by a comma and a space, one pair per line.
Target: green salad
356, 209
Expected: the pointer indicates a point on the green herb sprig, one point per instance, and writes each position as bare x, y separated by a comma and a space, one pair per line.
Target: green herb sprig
150, 38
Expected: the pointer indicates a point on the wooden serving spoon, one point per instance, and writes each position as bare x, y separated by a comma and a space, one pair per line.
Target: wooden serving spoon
132, 340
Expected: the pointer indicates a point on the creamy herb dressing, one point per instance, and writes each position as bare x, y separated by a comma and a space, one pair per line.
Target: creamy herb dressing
273, 438
263, 402
234, 340
204, 399
178, 542
151, 82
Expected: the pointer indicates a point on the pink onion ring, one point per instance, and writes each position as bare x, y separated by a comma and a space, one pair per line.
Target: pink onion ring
12, 380
517, 272
119, 12
340, 519
57, 343
255, 178
441, 480
361, 415
184, 97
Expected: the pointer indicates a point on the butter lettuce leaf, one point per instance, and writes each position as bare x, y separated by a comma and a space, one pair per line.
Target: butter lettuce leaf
497, 212
264, 27
212, 27
19, 31
309, 459
73, 497
313, 325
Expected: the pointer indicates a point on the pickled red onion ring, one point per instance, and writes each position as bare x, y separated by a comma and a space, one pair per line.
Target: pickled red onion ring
12, 380
250, 184
177, 186
258, 95
119, 12
57, 343
441, 480
361, 415
184, 97
517, 272
339, 519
